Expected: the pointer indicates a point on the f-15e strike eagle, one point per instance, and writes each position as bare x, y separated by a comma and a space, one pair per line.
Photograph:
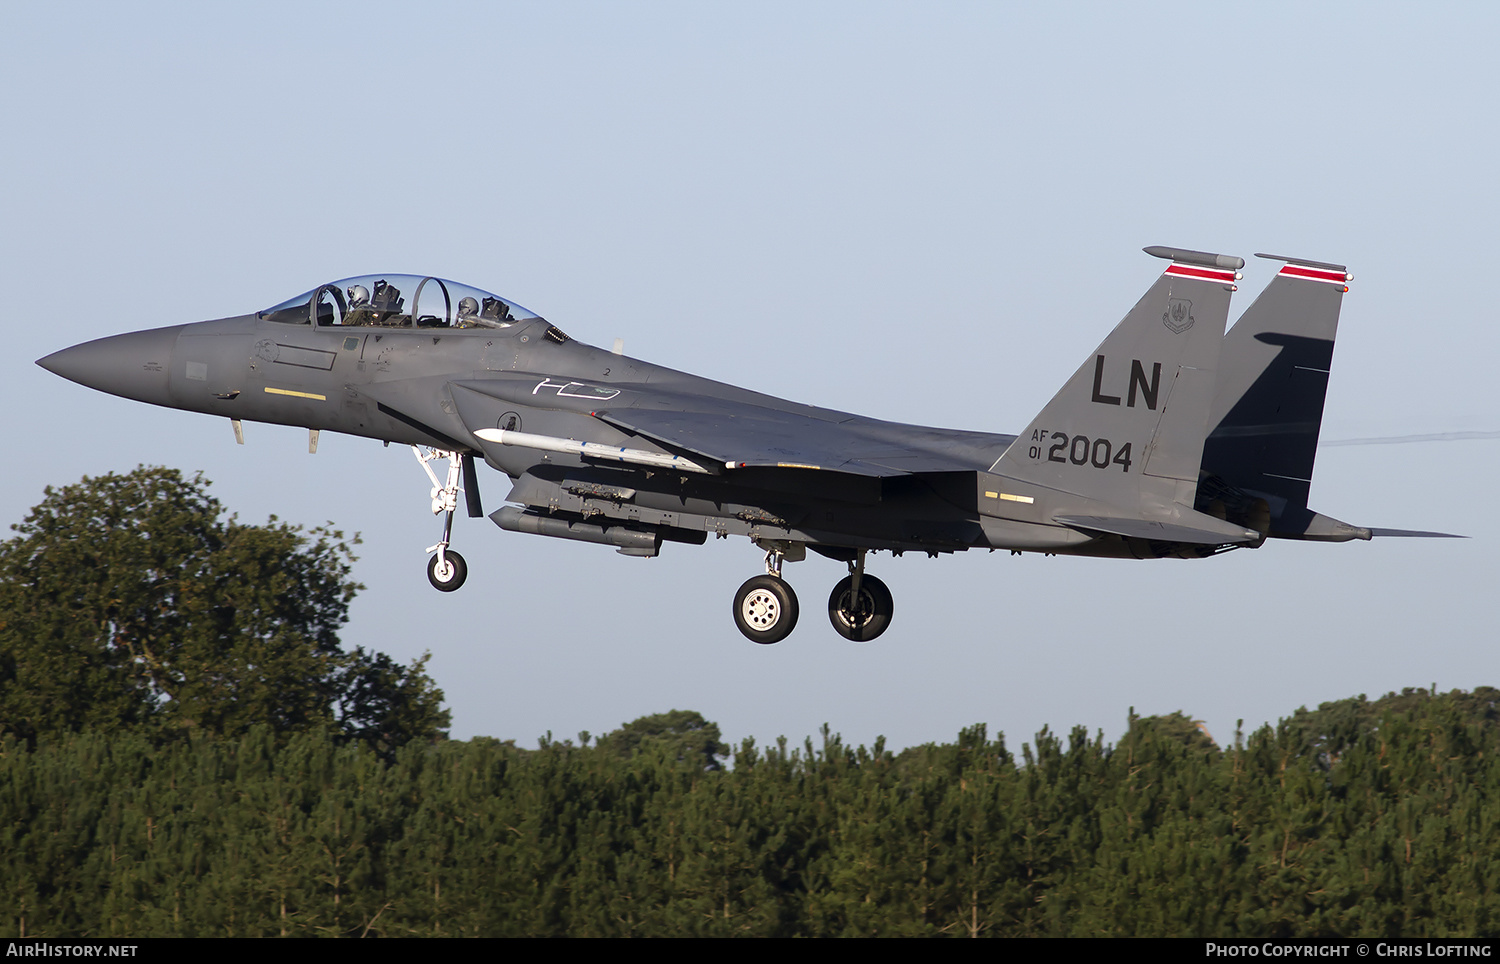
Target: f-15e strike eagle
1172, 439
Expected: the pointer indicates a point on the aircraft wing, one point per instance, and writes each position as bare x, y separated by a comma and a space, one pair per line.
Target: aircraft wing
736, 433
765, 438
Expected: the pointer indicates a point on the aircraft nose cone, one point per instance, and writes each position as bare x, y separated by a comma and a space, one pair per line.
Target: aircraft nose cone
134, 365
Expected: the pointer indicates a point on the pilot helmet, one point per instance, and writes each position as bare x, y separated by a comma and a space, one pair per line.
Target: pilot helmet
358, 295
467, 306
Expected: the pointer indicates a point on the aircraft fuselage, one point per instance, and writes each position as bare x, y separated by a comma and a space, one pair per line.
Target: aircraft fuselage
1163, 443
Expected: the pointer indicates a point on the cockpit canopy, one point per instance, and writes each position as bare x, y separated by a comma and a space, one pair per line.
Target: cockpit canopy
398, 301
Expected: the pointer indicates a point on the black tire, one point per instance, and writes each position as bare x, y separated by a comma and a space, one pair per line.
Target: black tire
866, 620
457, 572
765, 609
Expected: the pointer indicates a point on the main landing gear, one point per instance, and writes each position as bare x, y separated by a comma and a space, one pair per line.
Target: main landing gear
446, 570
860, 606
766, 610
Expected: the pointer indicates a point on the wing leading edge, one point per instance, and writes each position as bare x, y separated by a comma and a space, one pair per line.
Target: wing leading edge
765, 438
724, 433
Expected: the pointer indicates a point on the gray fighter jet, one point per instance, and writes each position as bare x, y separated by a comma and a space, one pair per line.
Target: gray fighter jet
1172, 439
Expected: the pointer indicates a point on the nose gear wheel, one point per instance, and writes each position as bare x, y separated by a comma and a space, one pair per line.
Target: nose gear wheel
447, 571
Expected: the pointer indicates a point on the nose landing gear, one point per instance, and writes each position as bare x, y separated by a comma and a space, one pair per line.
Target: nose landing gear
447, 570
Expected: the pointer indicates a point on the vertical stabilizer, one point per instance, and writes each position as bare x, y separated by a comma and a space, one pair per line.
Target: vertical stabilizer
1124, 437
1268, 408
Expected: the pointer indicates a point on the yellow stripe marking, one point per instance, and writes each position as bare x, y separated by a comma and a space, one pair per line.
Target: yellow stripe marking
286, 391
1017, 498
991, 495
796, 465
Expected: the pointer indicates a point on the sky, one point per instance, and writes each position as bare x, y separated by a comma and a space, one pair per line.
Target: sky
929, 213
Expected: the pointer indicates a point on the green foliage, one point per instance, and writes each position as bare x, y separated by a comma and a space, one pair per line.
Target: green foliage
383, 704
129, 601
110, 835
1176, 726
1325, 733
681, 735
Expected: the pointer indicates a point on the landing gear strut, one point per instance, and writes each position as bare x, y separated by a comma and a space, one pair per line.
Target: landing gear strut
860, 606
446, 570
765, 608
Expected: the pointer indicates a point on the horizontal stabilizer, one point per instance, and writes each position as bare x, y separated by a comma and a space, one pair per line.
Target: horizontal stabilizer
1415, 534
1161, 531
1322, 528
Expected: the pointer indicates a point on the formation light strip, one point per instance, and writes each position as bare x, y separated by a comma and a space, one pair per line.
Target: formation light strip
286, 391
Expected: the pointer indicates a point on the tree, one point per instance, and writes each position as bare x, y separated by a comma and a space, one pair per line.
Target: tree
129, 600
1175, 727
384, 704
685, 735
1325, 733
